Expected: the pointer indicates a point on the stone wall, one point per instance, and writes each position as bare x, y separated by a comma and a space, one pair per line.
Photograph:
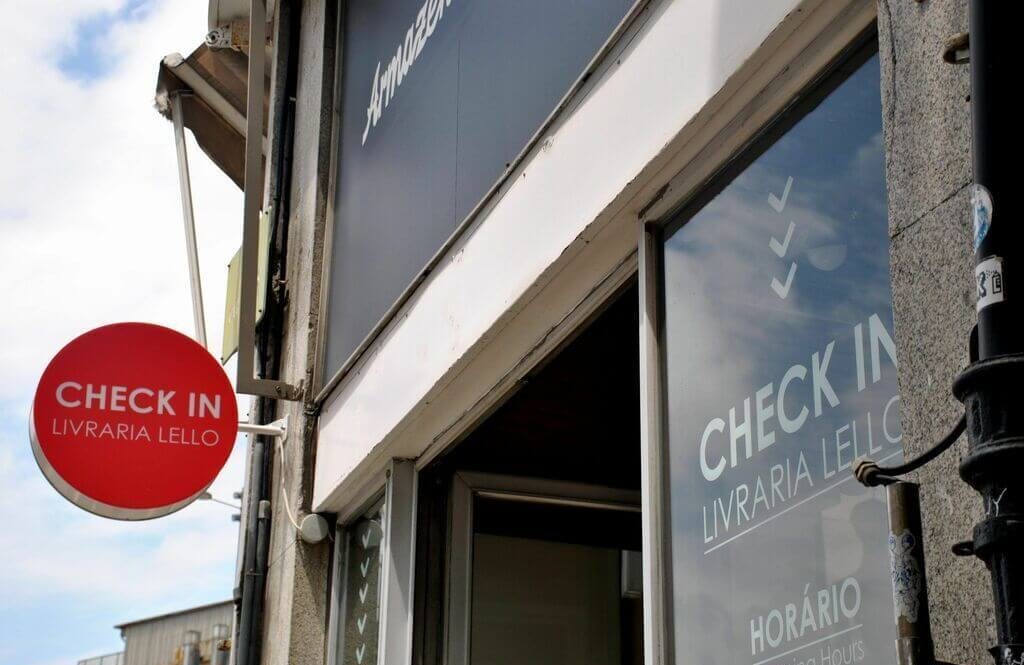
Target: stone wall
926, 111
295, 619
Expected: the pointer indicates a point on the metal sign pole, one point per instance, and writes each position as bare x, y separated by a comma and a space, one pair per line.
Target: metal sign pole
190, 225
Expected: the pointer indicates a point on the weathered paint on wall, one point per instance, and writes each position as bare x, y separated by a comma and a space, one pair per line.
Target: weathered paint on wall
295, 610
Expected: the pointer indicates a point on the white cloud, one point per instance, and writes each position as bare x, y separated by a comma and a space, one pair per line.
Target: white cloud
54, 550
91, 233
91, 225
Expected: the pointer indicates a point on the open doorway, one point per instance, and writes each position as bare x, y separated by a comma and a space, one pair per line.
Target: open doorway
529, 537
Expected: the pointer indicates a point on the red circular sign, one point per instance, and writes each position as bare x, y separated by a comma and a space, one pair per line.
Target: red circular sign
133, 421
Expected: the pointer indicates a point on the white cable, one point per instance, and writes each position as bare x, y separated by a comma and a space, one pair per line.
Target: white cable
284, 490
284, 494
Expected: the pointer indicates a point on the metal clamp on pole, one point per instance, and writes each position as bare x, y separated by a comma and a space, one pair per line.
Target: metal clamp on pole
247, 382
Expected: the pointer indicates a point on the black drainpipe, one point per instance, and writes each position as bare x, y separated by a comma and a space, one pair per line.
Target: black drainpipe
249, 599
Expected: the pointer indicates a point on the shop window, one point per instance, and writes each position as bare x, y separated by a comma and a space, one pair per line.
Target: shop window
358, 637
371, 599
780, 370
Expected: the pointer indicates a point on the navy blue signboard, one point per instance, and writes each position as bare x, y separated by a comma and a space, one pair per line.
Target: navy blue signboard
438, 98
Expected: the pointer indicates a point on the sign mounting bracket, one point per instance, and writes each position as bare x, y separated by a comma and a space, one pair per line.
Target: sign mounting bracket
247, 382
277, 429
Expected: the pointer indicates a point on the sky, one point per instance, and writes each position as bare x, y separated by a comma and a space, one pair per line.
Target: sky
91, 233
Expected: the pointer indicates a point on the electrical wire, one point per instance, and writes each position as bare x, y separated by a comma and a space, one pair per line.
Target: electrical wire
284, 490
869, 473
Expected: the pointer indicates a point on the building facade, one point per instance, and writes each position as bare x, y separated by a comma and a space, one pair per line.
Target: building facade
580, 314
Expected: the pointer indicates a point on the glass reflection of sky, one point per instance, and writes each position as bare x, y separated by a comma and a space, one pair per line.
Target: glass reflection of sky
728, 333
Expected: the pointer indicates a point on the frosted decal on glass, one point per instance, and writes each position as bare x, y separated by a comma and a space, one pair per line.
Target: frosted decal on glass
781, 370
362, 593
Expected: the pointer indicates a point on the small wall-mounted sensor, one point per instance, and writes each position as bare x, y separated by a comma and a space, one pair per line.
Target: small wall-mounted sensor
313, 529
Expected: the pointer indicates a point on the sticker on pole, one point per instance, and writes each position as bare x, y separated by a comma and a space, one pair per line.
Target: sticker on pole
133, 421
981, 208
988, 278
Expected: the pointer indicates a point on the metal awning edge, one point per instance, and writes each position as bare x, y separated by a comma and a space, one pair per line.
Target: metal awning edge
213, 98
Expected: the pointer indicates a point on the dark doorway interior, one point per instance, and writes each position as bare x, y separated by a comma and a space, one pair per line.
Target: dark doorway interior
573, 420
577, 417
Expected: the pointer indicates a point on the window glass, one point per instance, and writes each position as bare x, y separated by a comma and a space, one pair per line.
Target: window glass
361, 609
780, 371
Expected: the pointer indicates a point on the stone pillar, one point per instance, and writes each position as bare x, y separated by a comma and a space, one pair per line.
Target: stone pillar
295, 614
926, 111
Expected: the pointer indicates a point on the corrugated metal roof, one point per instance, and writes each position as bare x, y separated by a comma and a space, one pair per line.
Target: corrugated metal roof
108, 659
190, 610
159, 640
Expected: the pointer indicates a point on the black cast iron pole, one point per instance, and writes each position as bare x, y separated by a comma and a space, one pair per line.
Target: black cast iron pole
992, 388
